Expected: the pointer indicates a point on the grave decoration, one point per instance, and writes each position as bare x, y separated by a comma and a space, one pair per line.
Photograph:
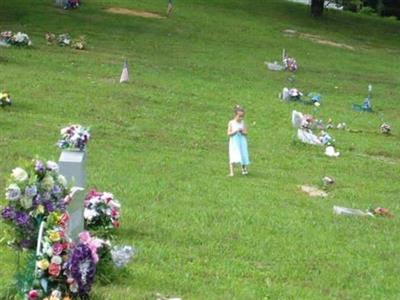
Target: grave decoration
74, 137
372, 212
305, 125
5, 99
32, 195
367, 104
45, 213
102, 212
385, 128
288, 63
15, 39
67, 4
294, 94
65, 40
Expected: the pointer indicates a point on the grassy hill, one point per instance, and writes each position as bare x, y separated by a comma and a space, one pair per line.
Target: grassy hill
159, 143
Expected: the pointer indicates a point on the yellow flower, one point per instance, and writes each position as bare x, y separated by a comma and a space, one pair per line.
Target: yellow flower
40, 209
54, 236
67, 298
43, 264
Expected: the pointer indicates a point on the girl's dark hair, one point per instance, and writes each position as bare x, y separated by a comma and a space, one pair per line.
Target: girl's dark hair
238, 109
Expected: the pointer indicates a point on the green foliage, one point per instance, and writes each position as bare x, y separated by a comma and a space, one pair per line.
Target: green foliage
159, 143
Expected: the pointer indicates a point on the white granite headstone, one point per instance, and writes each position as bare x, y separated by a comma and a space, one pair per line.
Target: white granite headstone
72, 166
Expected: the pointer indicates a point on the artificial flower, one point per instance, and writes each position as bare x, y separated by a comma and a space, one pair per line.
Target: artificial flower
54, 269
56, 260
52, 166
43, 264
26, 202
13, 192
48, 183
54, 236
33, 295
19, 174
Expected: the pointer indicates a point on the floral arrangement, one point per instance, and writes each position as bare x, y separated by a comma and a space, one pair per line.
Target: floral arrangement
50, 272
74, 137
385, 128
31, 196
79, 44
102, 211
382, 212
71, 4
16, 39
289, 63
122, 255
5, 99
64, 40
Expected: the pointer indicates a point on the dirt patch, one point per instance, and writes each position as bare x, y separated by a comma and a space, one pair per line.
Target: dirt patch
316, 39
133, 12
313, 191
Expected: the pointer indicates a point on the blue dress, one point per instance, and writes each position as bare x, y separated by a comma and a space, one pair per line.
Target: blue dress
238, 150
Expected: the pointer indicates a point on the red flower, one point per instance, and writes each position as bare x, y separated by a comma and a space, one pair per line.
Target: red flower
54, 270
33, 295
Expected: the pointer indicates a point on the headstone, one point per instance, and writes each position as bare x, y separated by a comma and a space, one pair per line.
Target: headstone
75, 209
72, 166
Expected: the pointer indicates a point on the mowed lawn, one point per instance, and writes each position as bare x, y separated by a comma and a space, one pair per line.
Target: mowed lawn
159, 143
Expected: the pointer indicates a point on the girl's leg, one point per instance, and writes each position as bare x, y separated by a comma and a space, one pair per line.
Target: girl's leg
231, 170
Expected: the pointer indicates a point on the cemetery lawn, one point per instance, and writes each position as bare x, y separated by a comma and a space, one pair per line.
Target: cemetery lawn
159, 143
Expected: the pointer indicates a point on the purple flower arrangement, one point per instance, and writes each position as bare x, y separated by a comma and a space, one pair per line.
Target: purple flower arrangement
74, 137
33, 193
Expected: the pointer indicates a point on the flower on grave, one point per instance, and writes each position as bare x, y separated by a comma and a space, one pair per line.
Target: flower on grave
43, 264
48, 183
26, 202
13, 192
31, 191
8, 213
93, 244
19, 174
62, 180
102, 211
81, 269
17, 39
74, 137
54, 269
33, 295
54, 236
122, 255
52, 166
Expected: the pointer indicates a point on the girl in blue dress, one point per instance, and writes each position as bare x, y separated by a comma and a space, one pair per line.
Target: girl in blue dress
237, 132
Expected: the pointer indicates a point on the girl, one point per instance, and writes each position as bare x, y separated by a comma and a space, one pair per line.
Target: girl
237, 132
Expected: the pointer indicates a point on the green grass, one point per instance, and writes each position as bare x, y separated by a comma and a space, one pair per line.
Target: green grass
159, 143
